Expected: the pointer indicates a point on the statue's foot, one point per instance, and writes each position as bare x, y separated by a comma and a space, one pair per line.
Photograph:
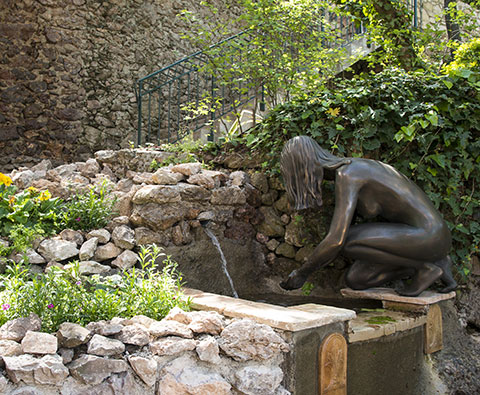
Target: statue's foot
424, 277
447, 277
295, 280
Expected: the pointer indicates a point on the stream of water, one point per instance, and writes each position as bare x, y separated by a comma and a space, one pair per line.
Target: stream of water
224, 261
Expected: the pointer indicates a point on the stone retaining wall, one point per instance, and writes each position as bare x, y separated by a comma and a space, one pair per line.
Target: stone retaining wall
248, 212
187, 352
68, 67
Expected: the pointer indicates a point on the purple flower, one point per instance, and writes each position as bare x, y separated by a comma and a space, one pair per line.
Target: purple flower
78, 282
5, 306
78, 219
50, 306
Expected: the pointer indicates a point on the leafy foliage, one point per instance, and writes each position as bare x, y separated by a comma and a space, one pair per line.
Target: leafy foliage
285, 46
66, 296
426, 126
90, 210
29, 208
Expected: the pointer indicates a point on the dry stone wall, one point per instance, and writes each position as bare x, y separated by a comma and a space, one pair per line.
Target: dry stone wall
195, 352
261, 238
68, 67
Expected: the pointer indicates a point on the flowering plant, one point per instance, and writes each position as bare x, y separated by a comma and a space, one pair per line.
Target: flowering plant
62, 295
28, 208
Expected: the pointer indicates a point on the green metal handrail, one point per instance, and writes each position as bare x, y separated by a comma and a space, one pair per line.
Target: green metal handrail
163, 96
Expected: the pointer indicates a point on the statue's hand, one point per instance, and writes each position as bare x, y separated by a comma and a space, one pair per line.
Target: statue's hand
294, 281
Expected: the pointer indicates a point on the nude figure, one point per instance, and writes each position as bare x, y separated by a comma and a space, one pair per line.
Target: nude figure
410, 238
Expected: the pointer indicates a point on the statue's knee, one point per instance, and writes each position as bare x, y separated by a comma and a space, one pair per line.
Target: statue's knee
355, 279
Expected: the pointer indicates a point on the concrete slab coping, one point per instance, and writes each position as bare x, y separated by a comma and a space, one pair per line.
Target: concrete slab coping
387, 294
374, 324
294, 318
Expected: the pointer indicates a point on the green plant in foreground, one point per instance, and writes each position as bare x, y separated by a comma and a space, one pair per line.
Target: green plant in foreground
29, 208
90, 210
67, 296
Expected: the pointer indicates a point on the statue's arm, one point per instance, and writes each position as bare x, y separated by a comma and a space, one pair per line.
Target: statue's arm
346, 195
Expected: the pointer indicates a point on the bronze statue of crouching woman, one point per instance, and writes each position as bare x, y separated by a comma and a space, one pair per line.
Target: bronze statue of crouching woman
412, 241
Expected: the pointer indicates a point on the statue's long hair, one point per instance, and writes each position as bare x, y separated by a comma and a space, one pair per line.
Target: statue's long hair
302, 163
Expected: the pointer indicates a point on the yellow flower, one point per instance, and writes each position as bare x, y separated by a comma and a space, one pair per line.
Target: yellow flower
5, 180
333, 111
45, 195
32, 190
11, 201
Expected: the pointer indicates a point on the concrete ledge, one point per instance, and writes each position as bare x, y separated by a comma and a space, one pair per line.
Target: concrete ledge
388, 294
295, 318
360, 329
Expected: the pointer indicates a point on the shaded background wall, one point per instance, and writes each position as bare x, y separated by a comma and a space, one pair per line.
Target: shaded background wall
68, 67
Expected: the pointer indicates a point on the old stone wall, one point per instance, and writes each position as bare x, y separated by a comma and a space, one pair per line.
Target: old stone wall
187, 352
68, 67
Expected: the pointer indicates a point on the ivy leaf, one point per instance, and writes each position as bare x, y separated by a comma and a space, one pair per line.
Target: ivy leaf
448, 83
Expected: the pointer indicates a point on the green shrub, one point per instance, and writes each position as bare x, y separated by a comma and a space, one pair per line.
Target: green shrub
29, 208
66, 296
90, 210
426, 126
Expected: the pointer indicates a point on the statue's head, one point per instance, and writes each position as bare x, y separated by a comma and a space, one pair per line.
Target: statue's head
302, 163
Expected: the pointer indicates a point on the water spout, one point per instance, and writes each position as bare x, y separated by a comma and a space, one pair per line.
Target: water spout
224, 261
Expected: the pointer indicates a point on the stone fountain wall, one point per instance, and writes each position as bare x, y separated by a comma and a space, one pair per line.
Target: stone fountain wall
68, 67
196, 353
261, 238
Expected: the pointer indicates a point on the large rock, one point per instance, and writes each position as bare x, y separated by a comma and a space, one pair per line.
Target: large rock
296, 234
126, 260
39, 343
72, 335
206, 322
193, 193
135, 334
90, 267
145, 368
48, 370
21, 368
90, 169
144, 236
181, 234
245, 340
33, 257
286, 250
104, 328
57, 250
9, 348
160, 194
17, 328
102, 235
124, 237
208, 350
158, 217
258, 379
104, 346
229, 196
272, 225
177, 314
187, 169
72, 235
106, 252
92, 370
171, 345
170, 328
184, 376
204, 180
87, 250
165, 176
